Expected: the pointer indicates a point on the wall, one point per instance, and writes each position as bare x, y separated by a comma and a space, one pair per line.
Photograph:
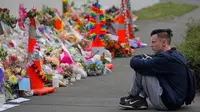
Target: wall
136, 4
14, 4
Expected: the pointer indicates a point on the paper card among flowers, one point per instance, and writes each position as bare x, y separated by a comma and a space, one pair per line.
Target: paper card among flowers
24, 84
98, 51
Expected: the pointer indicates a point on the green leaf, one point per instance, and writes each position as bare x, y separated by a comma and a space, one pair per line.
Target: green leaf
72, 4
8, 91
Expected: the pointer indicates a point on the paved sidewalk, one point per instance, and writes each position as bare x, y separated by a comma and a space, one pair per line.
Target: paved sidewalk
102, 93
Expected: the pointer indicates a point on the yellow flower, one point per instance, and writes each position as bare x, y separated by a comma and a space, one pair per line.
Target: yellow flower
43, 77
65, 1
23, 73
77, 27
8, 72
73, 39
40, 74
13, 79
79, 64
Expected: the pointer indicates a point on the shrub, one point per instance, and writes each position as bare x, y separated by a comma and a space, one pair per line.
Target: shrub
191, 47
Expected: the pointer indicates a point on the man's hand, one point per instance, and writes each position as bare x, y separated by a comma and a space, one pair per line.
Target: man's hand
147, 56
143, 56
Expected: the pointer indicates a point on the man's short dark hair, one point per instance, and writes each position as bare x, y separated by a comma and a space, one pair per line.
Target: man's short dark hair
163, 33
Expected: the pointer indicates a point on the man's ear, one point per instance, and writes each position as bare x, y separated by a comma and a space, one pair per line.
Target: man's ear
164, 42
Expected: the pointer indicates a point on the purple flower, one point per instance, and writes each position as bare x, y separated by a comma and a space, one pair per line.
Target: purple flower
89, 62
41, 29
19, 77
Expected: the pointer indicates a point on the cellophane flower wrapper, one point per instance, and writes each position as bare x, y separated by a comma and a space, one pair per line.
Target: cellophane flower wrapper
94, 66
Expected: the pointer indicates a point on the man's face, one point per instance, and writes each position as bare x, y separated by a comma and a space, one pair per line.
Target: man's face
157, 44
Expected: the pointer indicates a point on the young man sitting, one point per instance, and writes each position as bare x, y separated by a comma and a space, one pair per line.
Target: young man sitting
162, 77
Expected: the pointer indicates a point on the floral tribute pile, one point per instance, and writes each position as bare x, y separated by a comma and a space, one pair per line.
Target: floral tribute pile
63, 46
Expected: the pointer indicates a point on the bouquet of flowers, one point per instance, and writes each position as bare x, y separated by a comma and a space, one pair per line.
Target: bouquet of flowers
46, 16
85, 44
109, 45
94, 67
66, 70
12, 75
119, 49
123, 50
7, 18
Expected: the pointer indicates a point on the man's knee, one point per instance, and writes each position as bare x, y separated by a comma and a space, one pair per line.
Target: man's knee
150, 80
138, 76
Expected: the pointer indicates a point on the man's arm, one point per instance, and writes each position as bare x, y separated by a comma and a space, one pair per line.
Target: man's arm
145, 66
141, 62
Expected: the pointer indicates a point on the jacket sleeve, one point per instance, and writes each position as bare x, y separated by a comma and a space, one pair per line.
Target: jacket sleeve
145, 66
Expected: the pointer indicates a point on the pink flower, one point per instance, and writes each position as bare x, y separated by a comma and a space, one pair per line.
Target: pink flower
131, 50
19, 77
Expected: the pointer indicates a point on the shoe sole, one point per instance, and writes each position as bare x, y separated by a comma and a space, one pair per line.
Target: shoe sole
130, 107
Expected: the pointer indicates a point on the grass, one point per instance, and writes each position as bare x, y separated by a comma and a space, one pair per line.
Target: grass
164, 11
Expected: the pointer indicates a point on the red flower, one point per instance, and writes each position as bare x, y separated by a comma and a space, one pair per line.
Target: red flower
5, 9
117, 46
5, 64
126, 51
12, 58
131, 50
32, 21
87, 17
34, 9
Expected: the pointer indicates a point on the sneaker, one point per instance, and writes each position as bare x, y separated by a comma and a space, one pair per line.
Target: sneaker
123, 100
131, 102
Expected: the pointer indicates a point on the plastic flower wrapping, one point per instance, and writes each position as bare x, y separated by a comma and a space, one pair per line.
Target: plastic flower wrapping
94, 66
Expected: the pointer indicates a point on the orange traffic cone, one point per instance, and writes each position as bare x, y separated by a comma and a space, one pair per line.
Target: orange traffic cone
37, 84
121, 31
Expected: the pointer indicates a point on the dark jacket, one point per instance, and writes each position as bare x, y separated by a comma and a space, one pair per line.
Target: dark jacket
171, 75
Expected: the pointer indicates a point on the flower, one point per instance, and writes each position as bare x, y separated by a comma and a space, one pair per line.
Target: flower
65, 1
13, 58
13, 79
23, 73
73, 39
79, 64
19, 77
98, 63
8, 72
88, 62
18, 70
